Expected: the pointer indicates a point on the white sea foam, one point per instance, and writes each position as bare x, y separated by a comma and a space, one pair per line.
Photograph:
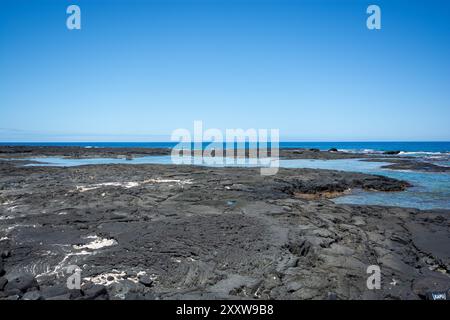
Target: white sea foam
116, 276
58, 270
176, 181
373, 151
20, 226
366, 151
132, 184
96, 243
105, 278
424, 153
82, 250
125, 185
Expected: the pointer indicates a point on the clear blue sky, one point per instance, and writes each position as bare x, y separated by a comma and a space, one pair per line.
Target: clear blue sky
139, 69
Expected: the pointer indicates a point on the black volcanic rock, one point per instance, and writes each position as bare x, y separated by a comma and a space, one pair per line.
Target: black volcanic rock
3, 282
338, 183
391, 152
214, 233
94, 291
32, 295
146, 281
430, 283
55, 290
417, 166
22, 283
5, 254
2, 270
79, 152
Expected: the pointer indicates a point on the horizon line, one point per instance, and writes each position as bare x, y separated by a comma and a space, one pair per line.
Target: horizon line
280, 141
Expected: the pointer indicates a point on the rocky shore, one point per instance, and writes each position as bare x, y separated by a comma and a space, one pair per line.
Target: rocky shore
17, 152
410, 164
83, 152
396, 162
189, 232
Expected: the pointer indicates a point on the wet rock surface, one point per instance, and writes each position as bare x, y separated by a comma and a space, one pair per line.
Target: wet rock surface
416, 166
409, 164
187, 232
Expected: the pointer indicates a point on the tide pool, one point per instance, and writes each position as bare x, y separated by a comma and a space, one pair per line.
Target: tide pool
429, 191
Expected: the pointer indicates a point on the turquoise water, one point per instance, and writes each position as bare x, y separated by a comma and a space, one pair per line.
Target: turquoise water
429, 191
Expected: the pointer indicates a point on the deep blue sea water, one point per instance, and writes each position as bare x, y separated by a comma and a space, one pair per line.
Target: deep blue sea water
433, 146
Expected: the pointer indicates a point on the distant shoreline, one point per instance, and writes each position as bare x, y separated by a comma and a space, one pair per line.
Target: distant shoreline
345, 146
397, 160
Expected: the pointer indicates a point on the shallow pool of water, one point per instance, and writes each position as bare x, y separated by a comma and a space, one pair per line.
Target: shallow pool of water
429, 191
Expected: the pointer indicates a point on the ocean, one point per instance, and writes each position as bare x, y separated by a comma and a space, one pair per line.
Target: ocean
367, 147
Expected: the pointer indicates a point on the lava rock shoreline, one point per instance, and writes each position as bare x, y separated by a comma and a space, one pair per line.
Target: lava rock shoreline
189, 232
74, 152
